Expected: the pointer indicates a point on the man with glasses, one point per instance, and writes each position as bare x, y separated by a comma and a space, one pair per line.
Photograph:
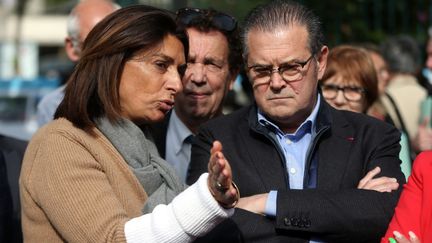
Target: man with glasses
83, 17
213, 63
301, 165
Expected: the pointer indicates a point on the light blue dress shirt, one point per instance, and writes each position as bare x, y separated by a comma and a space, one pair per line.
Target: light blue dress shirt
48, 105
177, 149
294, 147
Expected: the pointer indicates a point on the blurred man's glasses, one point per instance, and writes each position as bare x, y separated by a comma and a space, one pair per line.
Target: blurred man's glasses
351, 93
289, 72
220, 20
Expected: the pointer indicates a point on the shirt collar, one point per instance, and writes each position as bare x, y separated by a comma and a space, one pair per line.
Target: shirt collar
308, 126
179, 131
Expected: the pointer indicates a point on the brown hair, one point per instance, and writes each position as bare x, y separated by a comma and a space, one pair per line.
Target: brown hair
353, 63
93, 88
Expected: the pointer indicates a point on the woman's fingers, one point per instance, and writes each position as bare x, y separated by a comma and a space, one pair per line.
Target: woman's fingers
220, 178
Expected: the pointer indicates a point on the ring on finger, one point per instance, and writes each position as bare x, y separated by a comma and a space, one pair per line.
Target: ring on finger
219, 187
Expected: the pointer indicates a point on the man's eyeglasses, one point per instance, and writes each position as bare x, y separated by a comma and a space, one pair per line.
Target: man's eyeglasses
289, 72
222, 21
351, 93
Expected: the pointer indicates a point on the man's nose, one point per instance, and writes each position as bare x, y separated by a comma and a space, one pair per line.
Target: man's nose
276, 80
197, 72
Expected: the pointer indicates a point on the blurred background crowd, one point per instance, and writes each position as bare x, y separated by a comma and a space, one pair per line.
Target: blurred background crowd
33, 61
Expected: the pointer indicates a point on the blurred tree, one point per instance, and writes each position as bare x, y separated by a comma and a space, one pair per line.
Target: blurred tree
348, 21
344, 21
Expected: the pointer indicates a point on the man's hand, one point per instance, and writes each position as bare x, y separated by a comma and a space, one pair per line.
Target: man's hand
380, 184
219, 180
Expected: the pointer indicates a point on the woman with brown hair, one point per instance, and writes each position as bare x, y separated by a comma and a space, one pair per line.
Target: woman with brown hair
350, 82
94, 174
351, 71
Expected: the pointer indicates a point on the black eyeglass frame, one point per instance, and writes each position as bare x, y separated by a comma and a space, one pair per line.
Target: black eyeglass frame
267, 72
361, 91
222, 21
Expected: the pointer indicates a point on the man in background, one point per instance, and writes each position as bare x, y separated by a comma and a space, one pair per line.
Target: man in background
83, 17
213, 63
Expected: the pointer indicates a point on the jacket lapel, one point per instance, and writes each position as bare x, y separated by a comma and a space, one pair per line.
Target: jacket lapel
268, 164
334, 153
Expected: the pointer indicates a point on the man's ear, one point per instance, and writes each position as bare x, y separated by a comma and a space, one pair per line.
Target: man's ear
71, 51
322, 61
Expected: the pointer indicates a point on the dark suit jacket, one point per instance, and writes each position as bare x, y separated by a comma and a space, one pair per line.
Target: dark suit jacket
11, 156
346, 147
5, 204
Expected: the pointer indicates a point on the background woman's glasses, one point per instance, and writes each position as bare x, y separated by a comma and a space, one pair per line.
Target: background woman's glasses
351, 93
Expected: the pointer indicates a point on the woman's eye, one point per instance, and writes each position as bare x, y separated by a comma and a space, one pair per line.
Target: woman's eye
162, 65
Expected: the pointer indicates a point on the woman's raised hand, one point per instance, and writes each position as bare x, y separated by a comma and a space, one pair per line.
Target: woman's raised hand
220, 178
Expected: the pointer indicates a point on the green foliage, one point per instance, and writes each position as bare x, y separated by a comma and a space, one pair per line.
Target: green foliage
350, 21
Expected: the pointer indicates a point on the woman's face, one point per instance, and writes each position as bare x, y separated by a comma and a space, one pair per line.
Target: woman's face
150, 81
344, 95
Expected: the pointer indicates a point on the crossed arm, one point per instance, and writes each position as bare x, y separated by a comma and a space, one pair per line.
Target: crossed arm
256, 203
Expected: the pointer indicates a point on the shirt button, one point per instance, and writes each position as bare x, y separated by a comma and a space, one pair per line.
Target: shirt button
288, 141
292, 170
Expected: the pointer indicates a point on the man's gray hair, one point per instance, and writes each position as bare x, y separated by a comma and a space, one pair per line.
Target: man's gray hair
73, 26
280, 13
402, 54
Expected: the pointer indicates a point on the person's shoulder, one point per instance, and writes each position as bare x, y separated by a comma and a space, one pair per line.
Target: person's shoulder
232, 119
423, 162
359, 119
10, 143
54, 96
60, 127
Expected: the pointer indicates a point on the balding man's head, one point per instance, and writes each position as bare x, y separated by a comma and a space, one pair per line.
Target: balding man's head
83, 17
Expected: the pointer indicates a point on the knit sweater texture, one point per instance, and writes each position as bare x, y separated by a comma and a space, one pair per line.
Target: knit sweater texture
76, 187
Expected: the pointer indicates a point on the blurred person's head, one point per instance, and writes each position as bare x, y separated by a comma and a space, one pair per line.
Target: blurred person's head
213, 63
402, 55
350, 80
285, 56
131, 67
380, 66
81, 20
429, 50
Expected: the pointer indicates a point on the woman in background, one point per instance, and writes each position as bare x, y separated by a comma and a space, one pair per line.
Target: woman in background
94, 174
351, 83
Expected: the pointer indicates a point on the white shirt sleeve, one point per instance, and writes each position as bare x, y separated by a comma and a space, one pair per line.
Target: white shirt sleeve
191, 214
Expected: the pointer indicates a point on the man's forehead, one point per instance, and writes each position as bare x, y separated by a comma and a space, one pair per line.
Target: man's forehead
207, 42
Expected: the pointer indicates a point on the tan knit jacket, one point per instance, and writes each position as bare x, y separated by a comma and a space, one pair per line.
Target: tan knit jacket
65, 171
